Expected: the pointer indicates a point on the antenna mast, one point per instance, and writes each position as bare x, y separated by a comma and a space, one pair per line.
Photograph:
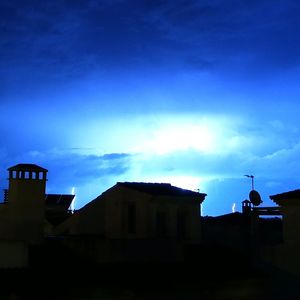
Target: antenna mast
252, 180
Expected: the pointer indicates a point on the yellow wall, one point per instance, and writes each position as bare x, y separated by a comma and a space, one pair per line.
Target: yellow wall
108, 216
286, 255
26, 207
291, 224
89, 220
116, 218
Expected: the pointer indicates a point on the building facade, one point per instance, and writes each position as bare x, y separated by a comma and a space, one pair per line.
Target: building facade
286, 255
146, 215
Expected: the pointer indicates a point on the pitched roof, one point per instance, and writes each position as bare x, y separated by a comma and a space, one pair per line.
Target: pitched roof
162, 189
27, 167
230, 218
295, 194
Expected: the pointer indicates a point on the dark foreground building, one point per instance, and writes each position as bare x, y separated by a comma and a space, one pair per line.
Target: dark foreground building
137, 241
134, 221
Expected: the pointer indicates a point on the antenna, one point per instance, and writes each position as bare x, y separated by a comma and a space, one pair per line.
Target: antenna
254, 196
252, 180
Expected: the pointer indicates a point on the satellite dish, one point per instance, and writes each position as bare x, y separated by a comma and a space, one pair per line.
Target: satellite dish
255, 198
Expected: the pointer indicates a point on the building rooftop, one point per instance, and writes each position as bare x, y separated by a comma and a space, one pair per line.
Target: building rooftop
27, 167
282, 197
230, 218
163, 189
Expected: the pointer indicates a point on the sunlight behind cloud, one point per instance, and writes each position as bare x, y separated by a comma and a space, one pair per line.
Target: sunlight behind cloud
178, 136
155, 134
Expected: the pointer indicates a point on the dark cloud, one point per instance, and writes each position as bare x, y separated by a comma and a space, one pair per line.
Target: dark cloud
115, 156
68, 39
71, 169
254, 34
78, 169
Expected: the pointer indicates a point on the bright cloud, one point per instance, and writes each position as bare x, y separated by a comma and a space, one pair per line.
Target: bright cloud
178, 135
155, 134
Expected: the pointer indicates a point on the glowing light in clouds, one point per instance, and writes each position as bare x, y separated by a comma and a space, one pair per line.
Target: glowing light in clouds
176, 135
181, 137
160, 134
73, 202
233, 208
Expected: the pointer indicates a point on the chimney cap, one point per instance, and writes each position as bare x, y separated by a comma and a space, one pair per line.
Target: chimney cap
27, 167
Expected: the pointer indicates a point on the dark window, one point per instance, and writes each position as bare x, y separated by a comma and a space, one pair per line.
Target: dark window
131, 218
161, 224
181, 225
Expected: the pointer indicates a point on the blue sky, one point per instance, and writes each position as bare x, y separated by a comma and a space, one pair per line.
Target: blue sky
195, 93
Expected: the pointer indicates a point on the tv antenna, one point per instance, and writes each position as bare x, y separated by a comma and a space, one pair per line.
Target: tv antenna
254, 196
252, 180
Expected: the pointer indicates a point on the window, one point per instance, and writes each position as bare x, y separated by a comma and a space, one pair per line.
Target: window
131, 218
161, 224
181, 225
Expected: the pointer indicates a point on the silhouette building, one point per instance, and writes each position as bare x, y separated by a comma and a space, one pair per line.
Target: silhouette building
25, 203
130, 221
24, 213
286, 255
136, 221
